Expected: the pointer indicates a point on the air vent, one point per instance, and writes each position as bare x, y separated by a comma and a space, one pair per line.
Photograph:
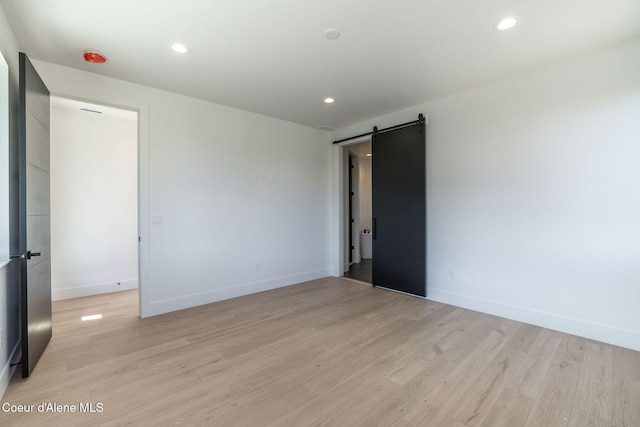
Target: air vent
325, 127
91, 111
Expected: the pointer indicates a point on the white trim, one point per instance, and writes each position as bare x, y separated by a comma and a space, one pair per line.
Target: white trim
338, 265
354, 141
583, 328
144, 257
180, 303
93, 289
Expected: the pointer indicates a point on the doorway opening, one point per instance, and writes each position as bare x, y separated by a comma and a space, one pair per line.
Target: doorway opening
94, 199
358, 212
398, 205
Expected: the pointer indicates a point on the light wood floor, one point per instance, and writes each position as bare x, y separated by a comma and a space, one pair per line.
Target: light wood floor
330, 352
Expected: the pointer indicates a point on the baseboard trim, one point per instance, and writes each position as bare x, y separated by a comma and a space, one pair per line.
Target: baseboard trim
94, 289
595, 331
7, 369
193, 300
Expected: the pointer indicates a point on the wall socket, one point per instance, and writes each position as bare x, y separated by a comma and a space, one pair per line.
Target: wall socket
257, 265
452, 275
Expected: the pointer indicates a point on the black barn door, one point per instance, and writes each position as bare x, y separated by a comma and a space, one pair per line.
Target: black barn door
35, 229
399, 209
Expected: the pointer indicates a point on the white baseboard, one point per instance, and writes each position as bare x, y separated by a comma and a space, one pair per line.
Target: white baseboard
95, 289
595, 331
7, 370
174, 304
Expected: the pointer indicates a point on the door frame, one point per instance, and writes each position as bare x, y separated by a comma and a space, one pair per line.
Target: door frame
352, 209
339, 243
337, 239
144, 272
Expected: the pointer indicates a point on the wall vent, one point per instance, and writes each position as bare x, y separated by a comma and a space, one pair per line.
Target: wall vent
91, 111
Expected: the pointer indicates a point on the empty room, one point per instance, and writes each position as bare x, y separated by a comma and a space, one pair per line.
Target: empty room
338, 213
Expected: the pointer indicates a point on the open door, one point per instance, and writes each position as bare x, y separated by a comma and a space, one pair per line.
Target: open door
399, 209
35, 228
354, 224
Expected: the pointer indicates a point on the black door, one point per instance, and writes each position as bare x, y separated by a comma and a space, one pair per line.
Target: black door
399, 209
35, 229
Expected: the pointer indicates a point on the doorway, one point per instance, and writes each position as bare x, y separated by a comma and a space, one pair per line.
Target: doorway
94, 199
398, 186
399, 207
358, 212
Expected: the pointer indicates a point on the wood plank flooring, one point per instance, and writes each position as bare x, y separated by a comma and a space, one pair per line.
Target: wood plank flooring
330, 352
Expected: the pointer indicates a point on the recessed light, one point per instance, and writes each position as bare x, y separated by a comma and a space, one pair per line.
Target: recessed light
329, 100
92, 317
331, 33
506, 23
369, 154
179, 48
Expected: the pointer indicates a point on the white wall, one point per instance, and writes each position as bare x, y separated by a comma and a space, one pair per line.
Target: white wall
346, 230
365, 193
9, 273
533, 208
94, 230
4, 158
243, 198
5, 322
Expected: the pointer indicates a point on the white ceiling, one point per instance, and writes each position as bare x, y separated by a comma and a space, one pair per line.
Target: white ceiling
270, 56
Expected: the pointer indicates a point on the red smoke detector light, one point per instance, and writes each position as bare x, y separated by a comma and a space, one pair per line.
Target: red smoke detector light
94, 57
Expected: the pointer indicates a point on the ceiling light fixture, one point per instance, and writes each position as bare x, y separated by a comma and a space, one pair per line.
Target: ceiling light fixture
331, 33
94, 58
179, 48
329, 100
506, 23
